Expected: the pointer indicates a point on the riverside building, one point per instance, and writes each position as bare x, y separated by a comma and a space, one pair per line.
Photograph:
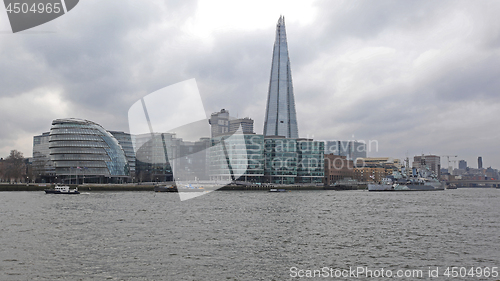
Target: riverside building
337, 167
291, 161
83, 151
238, 158
310, 162
125, 141
43, 167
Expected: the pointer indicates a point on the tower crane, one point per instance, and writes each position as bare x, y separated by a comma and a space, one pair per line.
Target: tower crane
448, 163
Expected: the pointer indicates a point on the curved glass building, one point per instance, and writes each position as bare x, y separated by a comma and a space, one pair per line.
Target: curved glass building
83, 150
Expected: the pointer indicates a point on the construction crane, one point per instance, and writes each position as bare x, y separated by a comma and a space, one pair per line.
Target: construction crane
448, 163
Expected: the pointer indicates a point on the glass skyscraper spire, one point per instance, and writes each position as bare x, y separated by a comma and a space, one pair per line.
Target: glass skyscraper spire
281, 119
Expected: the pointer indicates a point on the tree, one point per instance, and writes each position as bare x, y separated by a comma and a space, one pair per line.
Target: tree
14, 167
2, 170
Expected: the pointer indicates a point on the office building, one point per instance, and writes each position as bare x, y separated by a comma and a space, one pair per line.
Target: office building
480, 162
246, 125
370, 173
222, 123
431, 162
151, 152
281, 117
238, 157
83, 151
125, 141
280, 160
219, 123
192, 160
310, 161
462, 165
337, 168
43, 168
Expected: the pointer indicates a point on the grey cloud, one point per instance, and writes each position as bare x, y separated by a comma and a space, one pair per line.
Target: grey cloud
106, 55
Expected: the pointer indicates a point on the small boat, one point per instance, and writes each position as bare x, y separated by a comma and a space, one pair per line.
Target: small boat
163, 188
452, 186
277, 190
62, 190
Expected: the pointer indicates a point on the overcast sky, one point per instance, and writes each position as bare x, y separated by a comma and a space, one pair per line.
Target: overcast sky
416, 76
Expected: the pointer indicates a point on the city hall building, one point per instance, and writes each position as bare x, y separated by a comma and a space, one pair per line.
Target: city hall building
78, 151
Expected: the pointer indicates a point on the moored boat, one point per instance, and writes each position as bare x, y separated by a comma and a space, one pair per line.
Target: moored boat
451, 186
422, 180
164, 188
64, 189
344, 184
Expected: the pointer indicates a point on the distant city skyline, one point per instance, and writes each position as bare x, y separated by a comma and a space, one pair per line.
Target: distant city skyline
418, 77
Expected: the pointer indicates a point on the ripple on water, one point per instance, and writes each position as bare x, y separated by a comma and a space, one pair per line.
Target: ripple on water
242, 235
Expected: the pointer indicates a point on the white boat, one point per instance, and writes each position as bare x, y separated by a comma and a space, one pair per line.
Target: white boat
64, 189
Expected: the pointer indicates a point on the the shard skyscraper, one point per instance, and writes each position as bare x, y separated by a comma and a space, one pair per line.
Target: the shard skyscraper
281, 119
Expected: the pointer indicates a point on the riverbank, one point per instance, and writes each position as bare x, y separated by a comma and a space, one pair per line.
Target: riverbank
85, 187
147, 187
150, 187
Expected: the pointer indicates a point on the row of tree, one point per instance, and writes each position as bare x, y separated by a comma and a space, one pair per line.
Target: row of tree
13, 168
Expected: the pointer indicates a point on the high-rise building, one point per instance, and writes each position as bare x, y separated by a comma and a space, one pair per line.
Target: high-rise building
245, 123
480, 162
462, 165
221, 124
281, 118
431, 162
43, 167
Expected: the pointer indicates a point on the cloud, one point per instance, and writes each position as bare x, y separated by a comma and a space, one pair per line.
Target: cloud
418, 76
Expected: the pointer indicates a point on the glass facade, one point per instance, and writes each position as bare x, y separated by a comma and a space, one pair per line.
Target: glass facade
43, 167
152, 163
125, 141
290, 161
281, 118
310, 165
163, 157
235, 158
280, 160
83, 148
